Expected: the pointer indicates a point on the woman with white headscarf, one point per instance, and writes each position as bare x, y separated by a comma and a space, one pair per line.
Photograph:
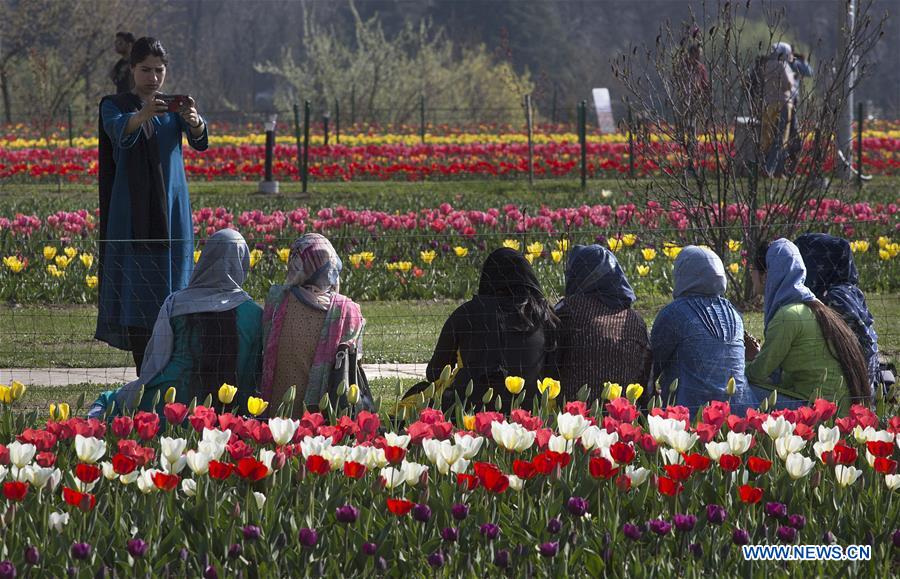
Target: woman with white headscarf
698, 339
305, 321
205, 335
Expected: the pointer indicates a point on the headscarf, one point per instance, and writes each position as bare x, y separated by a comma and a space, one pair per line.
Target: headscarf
783, 51
785, 278
314, 270
506, 272
699, 272
833, 278
595, 271
215, 286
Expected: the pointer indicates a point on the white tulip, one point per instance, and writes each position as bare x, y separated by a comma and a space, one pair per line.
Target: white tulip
461, 465
85, 487
637, 475
715, 450
862, 434
58, 521
829, 436
798, 466
559, 444
778, 427
20, 454
846, 475
377, 458
189, 486
145, 481
892, 481
738, 443
515, 483
260, 499
266, 457
671, 456
127, 479
513, 437
392, 477
218, 436
38, 476
283, 429
661, 427
788, 444
880, 436
821, 447
337, 456
870, 458
470, 444
571, 426
3, 471
172, 448
55, 479
198, 462
432, 449
681, 440
173, 467
314, 445
211, 448
394, 439
89, 449
595, 437
108, 472
412, 472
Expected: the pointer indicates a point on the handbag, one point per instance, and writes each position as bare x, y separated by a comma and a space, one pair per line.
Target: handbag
347, 371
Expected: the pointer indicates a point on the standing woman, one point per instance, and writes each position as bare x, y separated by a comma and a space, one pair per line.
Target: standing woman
146, 232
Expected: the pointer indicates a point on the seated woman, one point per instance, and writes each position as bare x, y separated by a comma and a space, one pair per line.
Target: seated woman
602, 339
305, 321
206, 334
815, 351
507, 329
698, 339
831, 275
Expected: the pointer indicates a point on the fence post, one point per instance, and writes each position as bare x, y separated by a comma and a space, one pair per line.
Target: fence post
304, 173
337, 121
325, 118
297, 138
582, 140
529, 123
70, 125
630, 144
860, 112
422, 118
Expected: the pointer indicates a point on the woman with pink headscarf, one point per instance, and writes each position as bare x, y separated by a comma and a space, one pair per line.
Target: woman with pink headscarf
305, 321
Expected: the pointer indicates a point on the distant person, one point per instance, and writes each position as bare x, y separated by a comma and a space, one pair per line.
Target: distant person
778, 83
120, 74
698, 339
601, 338
506, 329
809, 351
146, 229
305, 321
205, 335
801, 70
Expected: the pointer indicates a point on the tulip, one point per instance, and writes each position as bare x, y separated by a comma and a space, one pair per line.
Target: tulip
169, 398
549, 386
684, 523
459, 511
227, 393
189, 487
797, 521
738, 443
59, 412
777, 427
369, 549
137, 548
512, 436
798, 466
32, 555
436, 559
489, 531
611, 391
787, 534
58, 521
577, 506
421, 513
251, 532
81, 550
308, 537
571, 426
892, 481
172, 448
554, 526
776, 510
549, 549
283, 430
632, 531
89, 449
715, 514
502, 557
846, 475
788, 444
633, 392
198, 462
7, 570
352, 394
257, 406
20, 455
740, 537
346, 514
450, 534
514, 384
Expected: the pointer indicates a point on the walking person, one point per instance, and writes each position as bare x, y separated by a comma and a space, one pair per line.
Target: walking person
120, 74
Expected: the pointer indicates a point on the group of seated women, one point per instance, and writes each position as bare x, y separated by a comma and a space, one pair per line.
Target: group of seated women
819, 336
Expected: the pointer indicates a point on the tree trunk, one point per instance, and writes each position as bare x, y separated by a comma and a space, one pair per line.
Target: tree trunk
4, 88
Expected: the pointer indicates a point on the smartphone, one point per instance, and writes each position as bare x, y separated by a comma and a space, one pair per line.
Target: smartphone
175, 102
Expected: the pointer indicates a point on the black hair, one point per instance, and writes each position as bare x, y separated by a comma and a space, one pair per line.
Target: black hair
126, 36
759, 260
148, 46
213, 340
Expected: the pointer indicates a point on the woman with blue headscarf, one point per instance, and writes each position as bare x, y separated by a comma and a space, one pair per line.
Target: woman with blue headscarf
831, 275
698, 339
602, 338
817, 354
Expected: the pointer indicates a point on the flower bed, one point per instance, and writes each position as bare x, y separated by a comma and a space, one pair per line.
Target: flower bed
575, 490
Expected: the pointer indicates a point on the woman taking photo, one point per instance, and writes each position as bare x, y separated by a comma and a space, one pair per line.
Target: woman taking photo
146, 233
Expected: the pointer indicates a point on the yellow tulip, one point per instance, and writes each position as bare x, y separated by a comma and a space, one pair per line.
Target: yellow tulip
614, 244
257, 406
170, 395
55, 271
196, 255
633, 391
629, 239
427, 256
550, 386
91, 281
734, 268
355, 259
226, 393
512, 244
404, 266
461, 251
284, 254
49, 252
562, 245
730, 386
671, 250
611, 391
367, 256
5, 394
884, 254
16, 390
70, 252
255, 256
514, 384
13, 263
87, 260
883, 242
62, 262
535, 249
734, 245
469, 422
529, 257
643, 270
649, 253
893, 249
556, 255
59, 412
859, 246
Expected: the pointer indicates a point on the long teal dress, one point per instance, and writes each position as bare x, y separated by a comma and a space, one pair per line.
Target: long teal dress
137, 278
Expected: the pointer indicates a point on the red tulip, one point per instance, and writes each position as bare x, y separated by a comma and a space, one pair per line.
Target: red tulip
678, 472
842, 454
164, 481
123, 464
885, 465
759, 465
252, 469
622, 453
750, 495
669, 487
491, 477
880, 448
175, 413
122, 426
84, 501
729, 462
394, 454
220, 470
87, 473
468, 482
45, 459
15, 491
602, 468
146, 424
354, 469
318, 465
523, 469
400, 507
697, 462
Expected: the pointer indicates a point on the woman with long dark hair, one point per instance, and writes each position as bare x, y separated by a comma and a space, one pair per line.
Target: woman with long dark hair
506, 329
205, 335
814, 350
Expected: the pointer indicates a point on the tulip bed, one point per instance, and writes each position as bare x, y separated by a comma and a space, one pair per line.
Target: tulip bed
480, 152
574, 490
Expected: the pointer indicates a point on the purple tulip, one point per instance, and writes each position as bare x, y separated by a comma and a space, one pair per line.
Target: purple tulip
776, 510
696, 550
828, 538
210, 572
631, 531
896, 538
740, 537
137, 548
554, 525
577, 506
81, 550
684, 523
346, 514
490, 531
715, 514
235, 551
549, 549
501, 559
797, 521
786, 534
370, 549
251, 532
308, 537
660, 526
183, 554
32, 555
450, 534
436, 559
459, 511
421, 513
7, 570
